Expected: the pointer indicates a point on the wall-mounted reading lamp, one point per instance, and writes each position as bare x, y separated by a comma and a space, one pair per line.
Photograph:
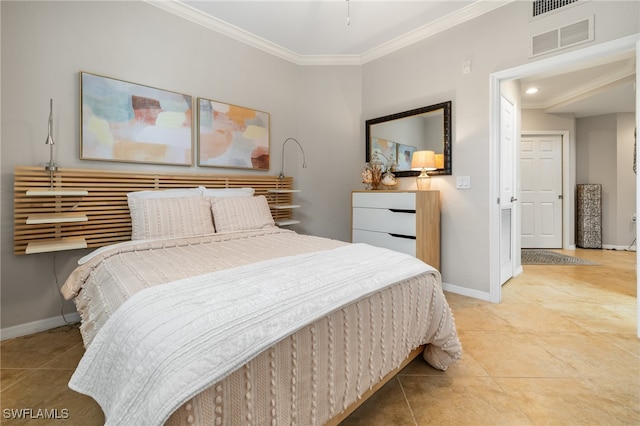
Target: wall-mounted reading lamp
50, 166
304, 161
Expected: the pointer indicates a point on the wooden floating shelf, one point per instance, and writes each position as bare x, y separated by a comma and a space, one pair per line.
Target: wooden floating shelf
285, 206
69, 243
287, 222
56, 218
282, 191
56, 192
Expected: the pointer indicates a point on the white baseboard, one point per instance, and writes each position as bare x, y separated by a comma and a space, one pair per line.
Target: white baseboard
519, 270
619, 248
469, 292
37, 326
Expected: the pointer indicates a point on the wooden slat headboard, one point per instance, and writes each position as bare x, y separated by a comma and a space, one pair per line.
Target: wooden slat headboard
105, 203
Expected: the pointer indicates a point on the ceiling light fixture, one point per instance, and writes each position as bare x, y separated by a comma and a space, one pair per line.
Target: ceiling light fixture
532, 90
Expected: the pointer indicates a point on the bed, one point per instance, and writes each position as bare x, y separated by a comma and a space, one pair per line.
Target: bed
211, 314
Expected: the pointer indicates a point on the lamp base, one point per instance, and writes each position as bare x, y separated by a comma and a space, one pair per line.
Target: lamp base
423, 182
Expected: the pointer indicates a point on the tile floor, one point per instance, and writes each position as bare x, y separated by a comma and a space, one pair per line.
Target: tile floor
560, 350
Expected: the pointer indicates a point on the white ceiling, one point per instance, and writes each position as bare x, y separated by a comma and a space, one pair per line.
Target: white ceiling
603, 87
317, 31
358, 31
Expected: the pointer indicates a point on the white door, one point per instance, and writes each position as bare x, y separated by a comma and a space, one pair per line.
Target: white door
541, 191
507, 188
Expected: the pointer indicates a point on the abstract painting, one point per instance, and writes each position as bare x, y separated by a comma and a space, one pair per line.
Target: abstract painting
384, 147
404, 156
130, 122
232, 136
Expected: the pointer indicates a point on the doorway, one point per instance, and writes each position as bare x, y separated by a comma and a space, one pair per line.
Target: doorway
597, 52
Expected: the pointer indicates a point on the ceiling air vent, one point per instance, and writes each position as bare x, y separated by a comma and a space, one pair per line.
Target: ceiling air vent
543, 6
563, 37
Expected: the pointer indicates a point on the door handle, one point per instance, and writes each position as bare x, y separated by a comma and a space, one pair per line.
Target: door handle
560, 197
513, 199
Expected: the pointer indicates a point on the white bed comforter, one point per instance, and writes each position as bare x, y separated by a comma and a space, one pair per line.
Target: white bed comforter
171, 341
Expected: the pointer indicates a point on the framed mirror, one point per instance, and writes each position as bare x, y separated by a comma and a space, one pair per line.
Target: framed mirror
397, 136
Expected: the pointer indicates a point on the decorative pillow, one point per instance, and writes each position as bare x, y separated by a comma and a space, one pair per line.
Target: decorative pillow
227, 192
241, 213
170, 217
166, 193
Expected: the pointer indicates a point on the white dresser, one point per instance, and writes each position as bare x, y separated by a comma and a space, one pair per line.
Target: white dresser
405, 221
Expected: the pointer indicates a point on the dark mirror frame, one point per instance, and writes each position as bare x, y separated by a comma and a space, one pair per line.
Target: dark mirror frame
446, 106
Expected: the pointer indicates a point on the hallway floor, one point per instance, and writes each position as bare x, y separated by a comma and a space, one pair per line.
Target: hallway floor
560, 350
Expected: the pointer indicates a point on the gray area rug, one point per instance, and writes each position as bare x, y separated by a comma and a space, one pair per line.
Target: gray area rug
547, 257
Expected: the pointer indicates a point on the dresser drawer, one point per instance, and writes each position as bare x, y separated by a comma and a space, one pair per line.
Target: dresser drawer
385, 200
381, 239
394, 221
404, 221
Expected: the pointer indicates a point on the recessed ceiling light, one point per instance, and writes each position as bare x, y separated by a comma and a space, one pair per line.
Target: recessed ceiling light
532, 90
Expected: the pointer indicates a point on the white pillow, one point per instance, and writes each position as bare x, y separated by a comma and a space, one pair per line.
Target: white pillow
241, 213
169, 217
227, 192
165, 193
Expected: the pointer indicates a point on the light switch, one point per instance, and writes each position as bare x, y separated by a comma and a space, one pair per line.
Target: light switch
463, 182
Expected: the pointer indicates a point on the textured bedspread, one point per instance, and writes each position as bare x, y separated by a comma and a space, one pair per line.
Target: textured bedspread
169, 342
306, 378
107, 279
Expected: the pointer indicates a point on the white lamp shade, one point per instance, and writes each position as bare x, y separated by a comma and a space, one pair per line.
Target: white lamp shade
423, 160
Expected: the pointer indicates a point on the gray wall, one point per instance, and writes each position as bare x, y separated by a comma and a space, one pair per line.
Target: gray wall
46, 44
430, 71
604, 151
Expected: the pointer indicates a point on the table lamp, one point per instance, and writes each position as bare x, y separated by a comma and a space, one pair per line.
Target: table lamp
423, 161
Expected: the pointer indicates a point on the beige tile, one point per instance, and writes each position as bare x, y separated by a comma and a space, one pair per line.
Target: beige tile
628, 342
573, 401
534, 318
514, 354
459, 301
597, 317
461, 401
38, 349
466, 366
479, 318
523, 289
591, 355
67, 360
47, 390
386, 407
9, 376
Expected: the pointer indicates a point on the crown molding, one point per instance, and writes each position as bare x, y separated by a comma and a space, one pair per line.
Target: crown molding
471, 11
465, 14
187, 12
